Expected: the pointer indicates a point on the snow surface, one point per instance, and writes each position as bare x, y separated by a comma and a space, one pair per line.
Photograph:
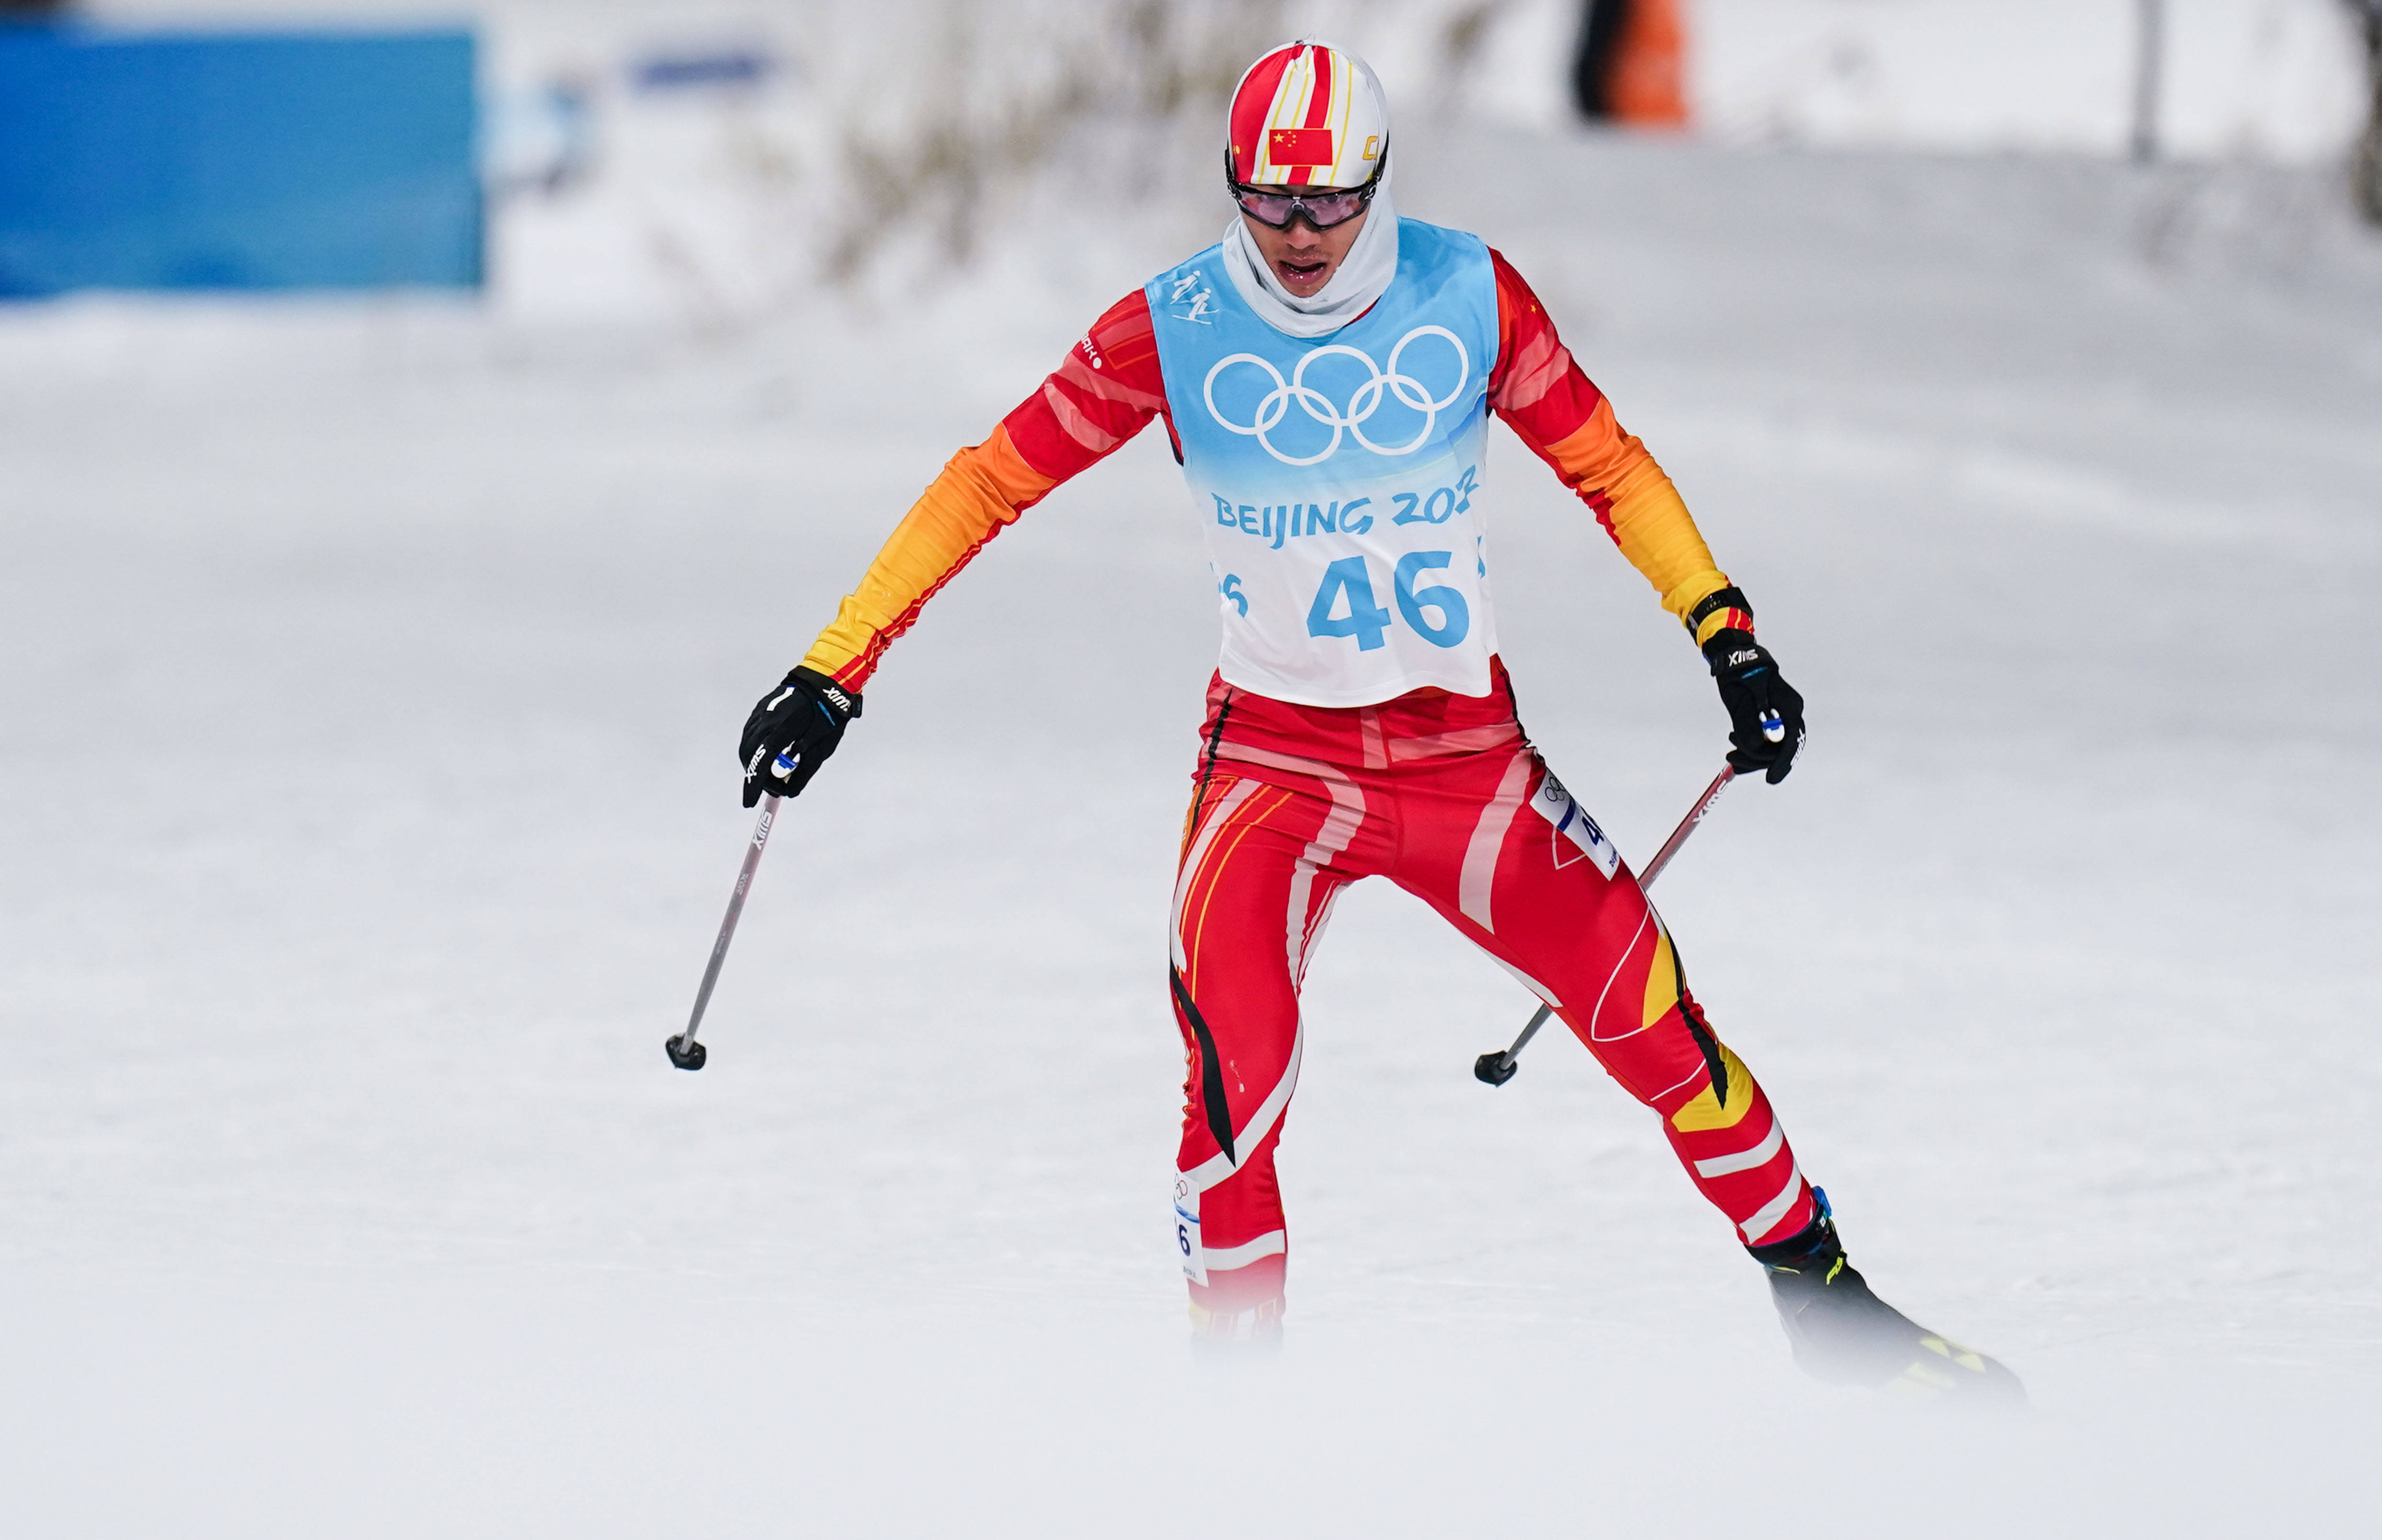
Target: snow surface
371, 673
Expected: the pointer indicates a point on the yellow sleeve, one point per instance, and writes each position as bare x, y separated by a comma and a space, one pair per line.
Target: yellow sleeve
1643, 512
980, 492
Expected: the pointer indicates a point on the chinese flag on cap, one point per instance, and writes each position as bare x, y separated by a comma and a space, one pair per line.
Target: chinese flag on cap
1299, 147
1310, 114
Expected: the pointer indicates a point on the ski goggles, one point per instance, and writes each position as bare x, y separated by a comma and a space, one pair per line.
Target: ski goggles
1275, 209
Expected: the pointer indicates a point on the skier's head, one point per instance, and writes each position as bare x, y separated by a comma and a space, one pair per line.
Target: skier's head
1307, 142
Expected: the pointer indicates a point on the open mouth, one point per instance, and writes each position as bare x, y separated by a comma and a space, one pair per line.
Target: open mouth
1300, 273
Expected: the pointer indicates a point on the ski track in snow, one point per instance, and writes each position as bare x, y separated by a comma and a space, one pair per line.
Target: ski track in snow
371, 671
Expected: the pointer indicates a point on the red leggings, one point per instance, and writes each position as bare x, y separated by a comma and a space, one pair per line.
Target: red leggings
1443, 795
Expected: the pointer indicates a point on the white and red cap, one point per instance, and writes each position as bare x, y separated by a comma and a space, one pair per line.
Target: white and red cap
1307, 114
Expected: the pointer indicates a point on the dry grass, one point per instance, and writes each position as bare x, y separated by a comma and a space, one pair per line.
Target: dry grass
977, 130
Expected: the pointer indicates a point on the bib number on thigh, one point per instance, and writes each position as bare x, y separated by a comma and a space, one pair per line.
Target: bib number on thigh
1570, 821
1186, 1231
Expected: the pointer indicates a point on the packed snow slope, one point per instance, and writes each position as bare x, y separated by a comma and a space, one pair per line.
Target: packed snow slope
371, 674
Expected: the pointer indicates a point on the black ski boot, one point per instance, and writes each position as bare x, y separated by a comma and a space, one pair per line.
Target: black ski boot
1845, 1335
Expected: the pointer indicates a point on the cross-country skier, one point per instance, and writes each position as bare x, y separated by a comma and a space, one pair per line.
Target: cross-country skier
1326, 374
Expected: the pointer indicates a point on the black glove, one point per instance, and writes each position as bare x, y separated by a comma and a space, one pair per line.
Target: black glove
790, 733
1765, 716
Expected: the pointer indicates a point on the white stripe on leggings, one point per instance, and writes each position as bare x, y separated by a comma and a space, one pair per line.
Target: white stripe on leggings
1762, 1224
1198, 853
1480, 874
1339, 828
1746, 1160
1217, 1167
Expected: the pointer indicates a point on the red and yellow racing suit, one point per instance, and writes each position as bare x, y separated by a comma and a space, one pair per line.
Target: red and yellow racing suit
1439, 792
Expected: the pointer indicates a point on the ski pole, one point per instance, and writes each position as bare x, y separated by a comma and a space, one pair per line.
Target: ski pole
683, 1050
1497, 1066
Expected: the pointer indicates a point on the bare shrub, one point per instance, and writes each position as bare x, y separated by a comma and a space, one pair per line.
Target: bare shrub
1000, 92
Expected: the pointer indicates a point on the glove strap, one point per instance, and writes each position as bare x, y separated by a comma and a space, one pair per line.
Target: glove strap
1730, 603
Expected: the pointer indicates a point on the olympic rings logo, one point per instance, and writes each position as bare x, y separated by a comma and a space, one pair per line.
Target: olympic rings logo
1379, 382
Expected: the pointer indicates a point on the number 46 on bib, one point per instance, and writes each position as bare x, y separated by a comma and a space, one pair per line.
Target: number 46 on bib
1349, 582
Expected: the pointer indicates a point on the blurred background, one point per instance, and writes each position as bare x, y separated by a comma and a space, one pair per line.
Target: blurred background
425, 429
599, 154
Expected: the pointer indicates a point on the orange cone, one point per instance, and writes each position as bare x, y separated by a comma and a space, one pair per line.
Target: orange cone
1647, 83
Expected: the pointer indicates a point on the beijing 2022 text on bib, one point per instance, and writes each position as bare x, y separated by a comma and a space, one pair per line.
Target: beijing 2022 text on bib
1339, 477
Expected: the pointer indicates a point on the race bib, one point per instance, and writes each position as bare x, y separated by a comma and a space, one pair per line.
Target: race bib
1186, 1231
1572, 823
1339, 479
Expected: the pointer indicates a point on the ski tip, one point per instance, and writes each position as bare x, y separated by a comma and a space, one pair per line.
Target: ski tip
1959, 1379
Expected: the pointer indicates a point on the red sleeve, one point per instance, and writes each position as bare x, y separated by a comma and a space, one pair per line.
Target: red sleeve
1105, 392
1536, 386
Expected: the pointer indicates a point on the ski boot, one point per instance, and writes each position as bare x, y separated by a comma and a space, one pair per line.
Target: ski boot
1845, 1335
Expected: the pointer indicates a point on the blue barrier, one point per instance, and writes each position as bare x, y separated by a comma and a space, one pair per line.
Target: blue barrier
236, 160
